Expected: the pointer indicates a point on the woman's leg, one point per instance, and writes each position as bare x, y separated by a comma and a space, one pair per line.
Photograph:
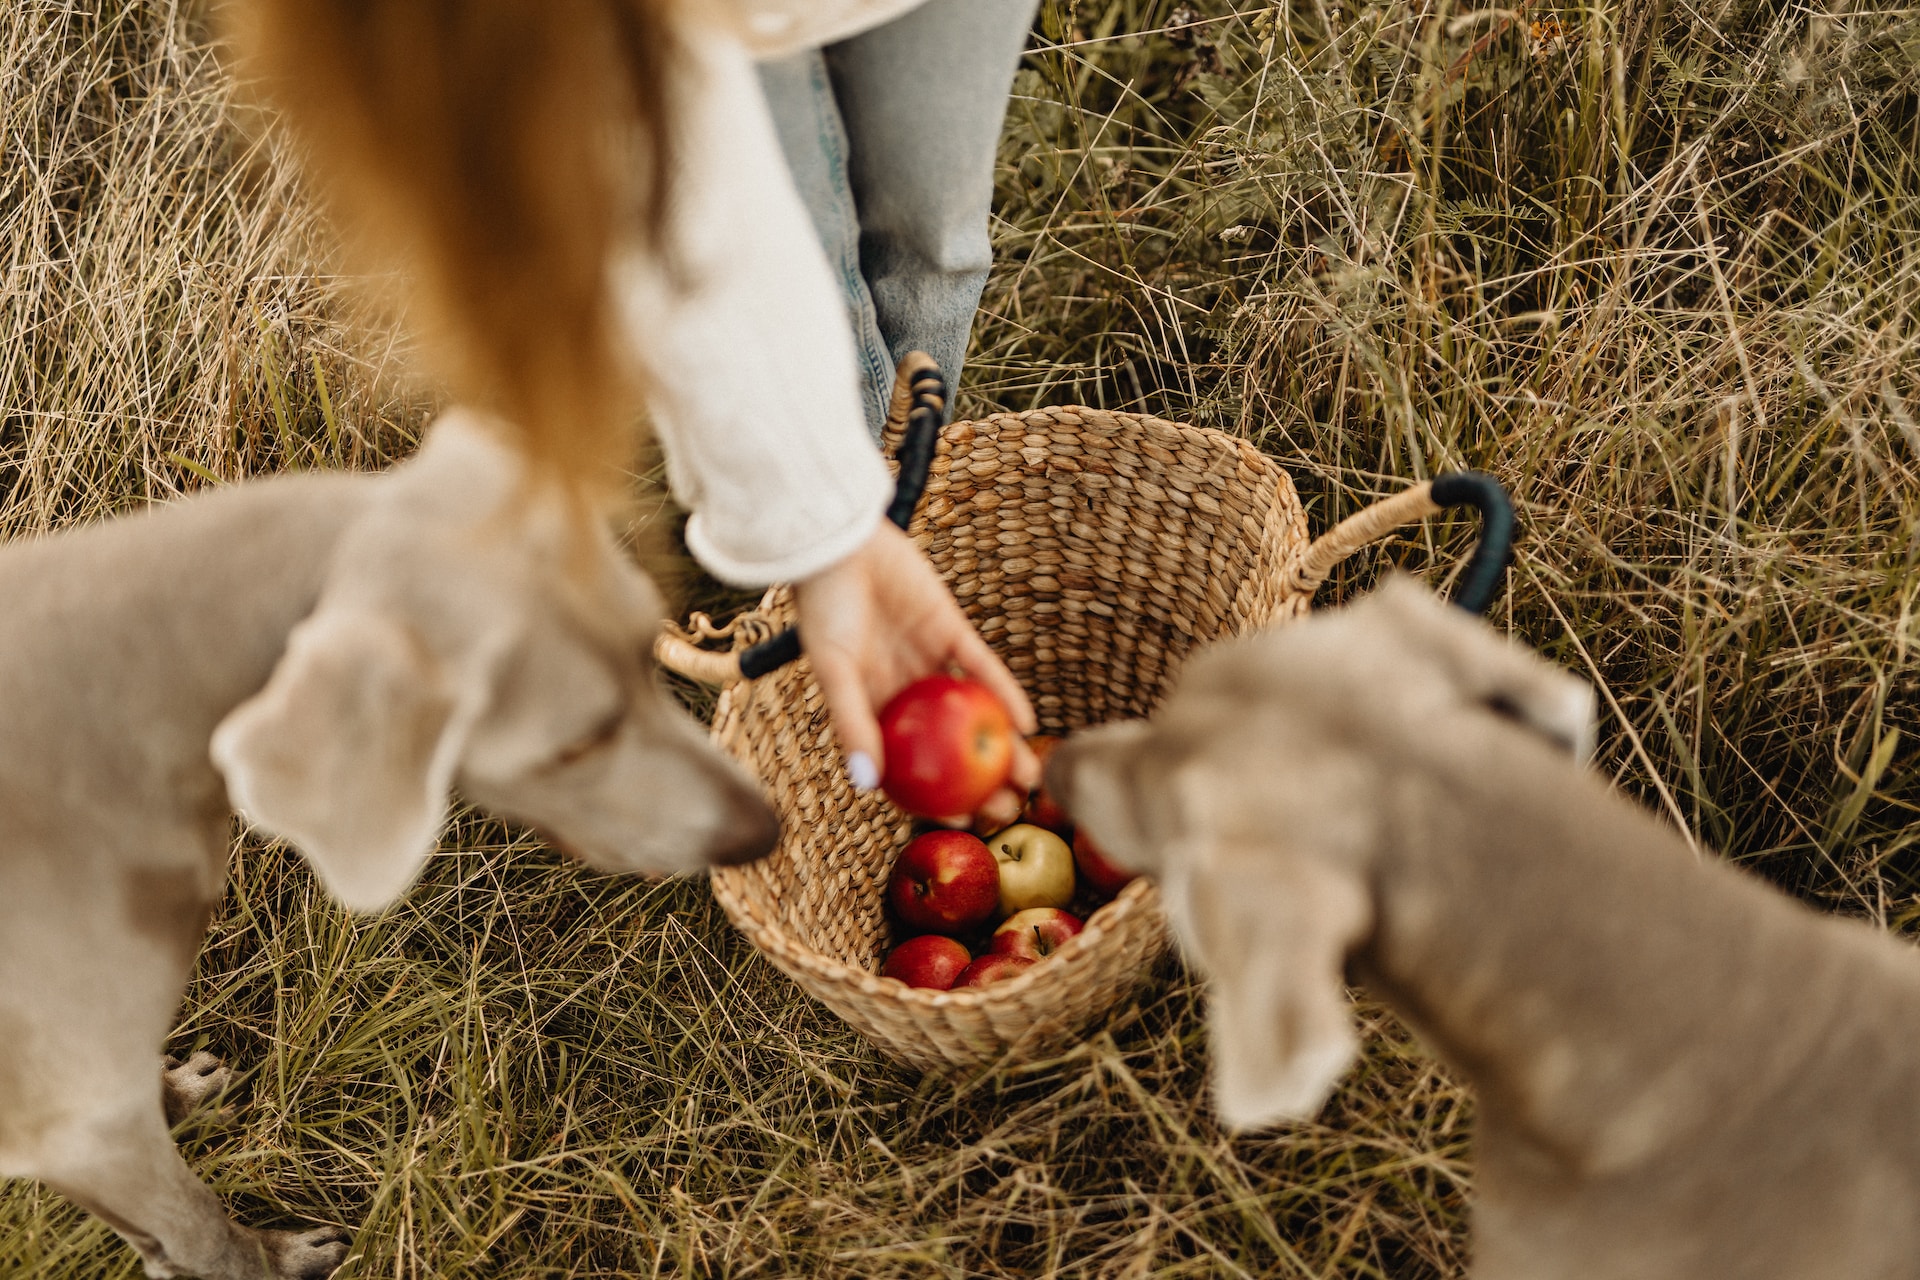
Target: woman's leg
921, 101
815, 142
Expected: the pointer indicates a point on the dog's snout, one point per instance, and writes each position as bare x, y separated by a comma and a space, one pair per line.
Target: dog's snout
751, 833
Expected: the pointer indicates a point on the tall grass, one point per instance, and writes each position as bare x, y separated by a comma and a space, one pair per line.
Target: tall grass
1651, 264
169, 317
1654, 266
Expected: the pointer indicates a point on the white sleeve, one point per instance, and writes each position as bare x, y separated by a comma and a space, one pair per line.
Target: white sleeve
744, 344
776, 28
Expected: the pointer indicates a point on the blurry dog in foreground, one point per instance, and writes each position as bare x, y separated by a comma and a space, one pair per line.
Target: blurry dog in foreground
1680, 1072
344, 650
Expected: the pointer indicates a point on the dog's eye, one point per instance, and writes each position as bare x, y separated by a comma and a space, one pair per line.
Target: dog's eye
602, 734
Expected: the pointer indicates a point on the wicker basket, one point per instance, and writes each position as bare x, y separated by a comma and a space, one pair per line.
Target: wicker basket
1094, 550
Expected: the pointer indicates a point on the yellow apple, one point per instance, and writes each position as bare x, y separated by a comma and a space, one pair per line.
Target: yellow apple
1036, 868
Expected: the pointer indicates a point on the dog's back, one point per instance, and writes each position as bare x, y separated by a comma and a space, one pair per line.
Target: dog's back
1678, 1070
122, 643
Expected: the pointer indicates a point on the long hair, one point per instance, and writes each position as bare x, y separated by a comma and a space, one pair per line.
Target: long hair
499, 152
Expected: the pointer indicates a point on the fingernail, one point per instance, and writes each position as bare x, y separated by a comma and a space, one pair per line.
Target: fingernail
861, 771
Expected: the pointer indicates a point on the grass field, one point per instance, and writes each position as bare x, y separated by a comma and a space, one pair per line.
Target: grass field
1652, 263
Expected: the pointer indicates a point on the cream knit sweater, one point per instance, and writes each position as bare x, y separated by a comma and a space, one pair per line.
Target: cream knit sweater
746, 349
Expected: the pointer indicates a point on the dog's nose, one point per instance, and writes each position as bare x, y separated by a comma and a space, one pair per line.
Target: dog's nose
753, 833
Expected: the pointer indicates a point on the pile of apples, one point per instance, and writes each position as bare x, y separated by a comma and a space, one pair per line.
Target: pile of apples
949, 747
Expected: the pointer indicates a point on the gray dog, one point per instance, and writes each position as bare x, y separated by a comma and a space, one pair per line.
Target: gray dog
1681, 1073
344, 650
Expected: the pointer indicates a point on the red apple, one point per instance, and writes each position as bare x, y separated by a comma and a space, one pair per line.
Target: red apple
1101, 874
927, 961
1034, 933
948, 744
1036, 868
944, 882
990, 968
1042, 810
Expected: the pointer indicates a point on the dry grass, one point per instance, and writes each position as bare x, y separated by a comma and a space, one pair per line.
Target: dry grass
1654, 265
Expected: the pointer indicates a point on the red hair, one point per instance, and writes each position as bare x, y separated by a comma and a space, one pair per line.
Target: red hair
501, 152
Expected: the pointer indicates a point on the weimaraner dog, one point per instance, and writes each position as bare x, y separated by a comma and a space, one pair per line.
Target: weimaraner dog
1681, 1073
333, 653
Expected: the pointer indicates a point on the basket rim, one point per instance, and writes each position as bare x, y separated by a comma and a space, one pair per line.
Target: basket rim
1138, 896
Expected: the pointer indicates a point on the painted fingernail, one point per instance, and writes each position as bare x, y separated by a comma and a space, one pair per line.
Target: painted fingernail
862, 772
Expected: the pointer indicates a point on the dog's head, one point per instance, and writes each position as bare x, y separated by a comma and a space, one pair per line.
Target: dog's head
1259, 793
477, 630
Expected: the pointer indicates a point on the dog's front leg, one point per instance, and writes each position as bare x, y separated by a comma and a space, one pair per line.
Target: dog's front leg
125, 1170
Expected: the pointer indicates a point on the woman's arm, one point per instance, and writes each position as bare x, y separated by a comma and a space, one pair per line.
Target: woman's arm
744, 342
744, 345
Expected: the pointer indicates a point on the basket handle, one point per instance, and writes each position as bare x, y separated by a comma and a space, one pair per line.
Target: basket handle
914, 417
1486, 566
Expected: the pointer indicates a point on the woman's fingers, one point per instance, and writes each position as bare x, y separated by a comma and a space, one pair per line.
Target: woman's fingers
1002, 809
843, 685
1025, 775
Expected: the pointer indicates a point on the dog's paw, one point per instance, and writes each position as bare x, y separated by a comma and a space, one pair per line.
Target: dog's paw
186, 1087
312, 1254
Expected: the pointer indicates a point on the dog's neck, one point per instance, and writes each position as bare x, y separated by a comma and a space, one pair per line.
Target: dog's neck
1595, 980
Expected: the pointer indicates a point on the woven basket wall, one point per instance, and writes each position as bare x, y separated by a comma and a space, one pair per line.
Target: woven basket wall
1094, 551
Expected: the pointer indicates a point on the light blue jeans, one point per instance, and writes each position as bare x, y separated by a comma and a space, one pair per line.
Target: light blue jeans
891, 137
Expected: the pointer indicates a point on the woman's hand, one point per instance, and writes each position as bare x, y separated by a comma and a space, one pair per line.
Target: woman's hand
876, 622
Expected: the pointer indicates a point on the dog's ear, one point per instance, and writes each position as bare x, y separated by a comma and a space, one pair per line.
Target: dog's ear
1088, 773
1506, 678
1273, 935
350, 750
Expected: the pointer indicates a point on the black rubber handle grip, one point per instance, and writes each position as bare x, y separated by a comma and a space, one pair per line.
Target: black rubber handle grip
771, 654
924, 419
1487, 565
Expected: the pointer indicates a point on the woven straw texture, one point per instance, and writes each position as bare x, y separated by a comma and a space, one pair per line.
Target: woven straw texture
1094, 551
